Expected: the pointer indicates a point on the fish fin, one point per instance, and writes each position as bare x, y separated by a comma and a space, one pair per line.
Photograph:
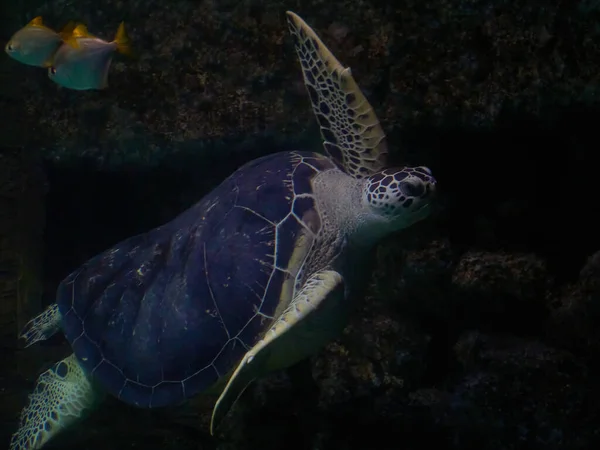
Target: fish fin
80, 31
67, 30
122, 41
36, 22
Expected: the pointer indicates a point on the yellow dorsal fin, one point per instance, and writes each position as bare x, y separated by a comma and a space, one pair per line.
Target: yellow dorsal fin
80, 31
36, 21
67, 30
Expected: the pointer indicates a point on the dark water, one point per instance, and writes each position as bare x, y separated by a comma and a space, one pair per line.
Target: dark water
491, 352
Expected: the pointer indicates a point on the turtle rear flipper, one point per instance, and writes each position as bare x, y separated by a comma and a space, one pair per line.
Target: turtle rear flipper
42, 327
62, 396
304, 325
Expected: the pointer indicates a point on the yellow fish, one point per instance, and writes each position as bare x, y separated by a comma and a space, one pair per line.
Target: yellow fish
82, 62
35, 43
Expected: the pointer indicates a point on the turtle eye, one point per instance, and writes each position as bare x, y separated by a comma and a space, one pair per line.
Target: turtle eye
412, 188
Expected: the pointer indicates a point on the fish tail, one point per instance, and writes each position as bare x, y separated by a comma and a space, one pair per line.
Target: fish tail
122, 41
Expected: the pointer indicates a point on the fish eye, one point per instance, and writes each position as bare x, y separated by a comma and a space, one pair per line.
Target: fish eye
10, 47
53, 70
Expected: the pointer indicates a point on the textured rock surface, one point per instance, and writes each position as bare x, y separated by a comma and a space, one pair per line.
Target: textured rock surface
212, 70
481, 327
22, 189
22, 218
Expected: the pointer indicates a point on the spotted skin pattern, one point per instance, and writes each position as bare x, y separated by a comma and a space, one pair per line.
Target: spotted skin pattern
394, 192
63, 395
352, 134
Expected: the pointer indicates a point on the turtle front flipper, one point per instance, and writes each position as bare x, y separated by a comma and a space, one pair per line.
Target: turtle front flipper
62, 396
301, 329
352, 134
42, 327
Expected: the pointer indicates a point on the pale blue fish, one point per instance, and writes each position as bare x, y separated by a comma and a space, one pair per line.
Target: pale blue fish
83, 61
35, 44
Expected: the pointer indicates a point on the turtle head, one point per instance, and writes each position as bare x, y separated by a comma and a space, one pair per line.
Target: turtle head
400, 196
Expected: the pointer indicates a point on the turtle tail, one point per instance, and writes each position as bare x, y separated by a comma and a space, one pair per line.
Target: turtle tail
42, 327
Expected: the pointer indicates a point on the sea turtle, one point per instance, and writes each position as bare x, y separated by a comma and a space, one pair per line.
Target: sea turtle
255, 277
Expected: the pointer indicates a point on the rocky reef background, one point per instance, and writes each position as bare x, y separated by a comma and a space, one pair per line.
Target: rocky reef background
482, 327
